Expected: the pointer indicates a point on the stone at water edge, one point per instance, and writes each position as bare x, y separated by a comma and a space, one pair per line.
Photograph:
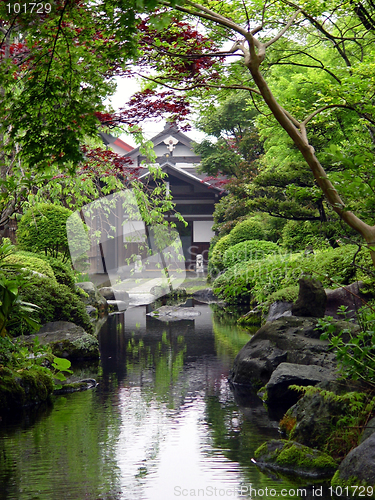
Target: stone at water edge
279, 309
112, 293
312, 299
286, 374
294, 459
358, 467
91, 295
67, 340
288, 339
369, 430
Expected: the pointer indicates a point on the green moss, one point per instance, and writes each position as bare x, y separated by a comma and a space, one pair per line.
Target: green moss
304, 457
250, 319
57, 303
262, 450
24, 387
337, 481
287, 294
84, 347
291, 454
31, 262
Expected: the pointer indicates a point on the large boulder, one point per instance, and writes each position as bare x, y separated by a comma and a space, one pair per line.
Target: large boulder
349, 296
312, 299
313, 417
279, 309
286, 374
358, 467
67, 340
90, 295
369, 430
286, 340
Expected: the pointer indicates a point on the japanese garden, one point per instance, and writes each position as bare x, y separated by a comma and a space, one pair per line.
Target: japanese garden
189, 313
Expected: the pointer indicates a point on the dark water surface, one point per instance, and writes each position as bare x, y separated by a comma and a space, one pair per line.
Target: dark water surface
162, 424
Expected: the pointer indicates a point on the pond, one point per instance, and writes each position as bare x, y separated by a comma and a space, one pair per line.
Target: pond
162, 424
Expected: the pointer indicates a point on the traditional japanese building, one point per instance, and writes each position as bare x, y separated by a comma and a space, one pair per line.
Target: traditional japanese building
194, 198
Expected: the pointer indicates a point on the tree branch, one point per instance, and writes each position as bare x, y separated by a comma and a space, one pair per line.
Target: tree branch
198, 85
284, 30
329, 106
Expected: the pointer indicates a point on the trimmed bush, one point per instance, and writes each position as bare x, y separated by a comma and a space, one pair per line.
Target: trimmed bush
249, 229
256, 281
57, 303
216, 262
43, 228
30, 261
248, 251
297, 235
62, 270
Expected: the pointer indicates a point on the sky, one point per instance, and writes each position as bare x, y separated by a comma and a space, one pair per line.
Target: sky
126, 87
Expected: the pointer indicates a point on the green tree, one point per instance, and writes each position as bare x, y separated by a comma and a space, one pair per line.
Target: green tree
264, 37
58, 61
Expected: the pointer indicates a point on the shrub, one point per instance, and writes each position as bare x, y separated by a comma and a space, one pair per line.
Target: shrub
216, 261
57, 303
28, 260
43, 228
248, 251
62, 270
249, 229
297, 235
257, 280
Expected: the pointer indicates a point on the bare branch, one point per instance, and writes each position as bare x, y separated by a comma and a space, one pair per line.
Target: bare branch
199, 85
330, 106
284, 30
203, 12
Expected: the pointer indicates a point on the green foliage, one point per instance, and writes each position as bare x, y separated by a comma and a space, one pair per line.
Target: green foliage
62, 271
355, 353
298, 235
216, 262
248, 251
31, 261
257, 280
43, 228
12, 309
287, 294
249, 229
57, 303
347, 425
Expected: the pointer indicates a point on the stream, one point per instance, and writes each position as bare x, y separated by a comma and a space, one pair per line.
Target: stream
162, 424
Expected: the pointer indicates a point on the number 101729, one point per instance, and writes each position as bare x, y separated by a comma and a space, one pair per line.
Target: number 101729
28, 8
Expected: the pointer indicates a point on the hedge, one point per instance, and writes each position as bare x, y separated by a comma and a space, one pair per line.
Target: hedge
255, 281
248, 251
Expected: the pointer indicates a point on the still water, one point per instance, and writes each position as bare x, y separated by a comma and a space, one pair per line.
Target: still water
162, 424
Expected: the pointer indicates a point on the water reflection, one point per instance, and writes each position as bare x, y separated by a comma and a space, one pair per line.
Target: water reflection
162, 424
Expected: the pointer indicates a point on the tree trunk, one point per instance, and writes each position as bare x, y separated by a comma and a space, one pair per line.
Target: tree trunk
365, 230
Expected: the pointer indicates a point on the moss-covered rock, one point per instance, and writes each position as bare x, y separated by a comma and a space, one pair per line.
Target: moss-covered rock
24, 387
296, 459
67, 340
